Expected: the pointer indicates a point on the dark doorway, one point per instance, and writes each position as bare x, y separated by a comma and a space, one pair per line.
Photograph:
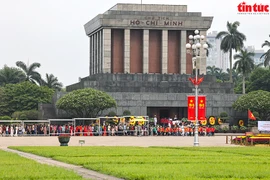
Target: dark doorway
164, 113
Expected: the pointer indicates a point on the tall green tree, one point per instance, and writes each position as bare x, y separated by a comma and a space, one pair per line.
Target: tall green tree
259, 80
266, 55
23, 96
231, 40
85, 102
10, 75
30, 71
244, 64
52, 82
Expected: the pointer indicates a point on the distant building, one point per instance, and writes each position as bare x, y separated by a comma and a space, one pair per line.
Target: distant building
258, 53
216, 56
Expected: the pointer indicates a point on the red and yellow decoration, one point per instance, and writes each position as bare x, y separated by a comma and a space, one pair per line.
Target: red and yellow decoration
212, 120
241, 122
220, 121
131, 120
204, 122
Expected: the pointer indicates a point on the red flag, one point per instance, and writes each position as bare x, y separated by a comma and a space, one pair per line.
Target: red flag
251, 116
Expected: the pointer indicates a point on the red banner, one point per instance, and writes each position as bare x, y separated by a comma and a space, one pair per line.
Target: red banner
191, 108
201, 108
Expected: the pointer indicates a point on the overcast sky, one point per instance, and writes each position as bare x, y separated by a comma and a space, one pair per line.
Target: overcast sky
51, 32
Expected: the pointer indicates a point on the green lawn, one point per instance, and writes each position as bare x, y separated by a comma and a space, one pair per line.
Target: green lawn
15, 167
166, 162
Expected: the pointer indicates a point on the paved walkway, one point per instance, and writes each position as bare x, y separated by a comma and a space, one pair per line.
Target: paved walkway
143, 141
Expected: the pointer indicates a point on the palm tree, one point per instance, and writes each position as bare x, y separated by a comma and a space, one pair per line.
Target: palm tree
31, 74
235, 75
231, 40
244, 64
212, 70
10, 75
52, 82
266, 55
223, 76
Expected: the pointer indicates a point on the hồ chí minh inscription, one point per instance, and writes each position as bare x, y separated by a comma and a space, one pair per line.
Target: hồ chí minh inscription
156, 23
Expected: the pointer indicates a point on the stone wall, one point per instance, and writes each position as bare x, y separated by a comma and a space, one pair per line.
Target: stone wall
152, 83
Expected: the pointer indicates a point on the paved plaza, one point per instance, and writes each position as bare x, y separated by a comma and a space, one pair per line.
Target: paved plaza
143, 141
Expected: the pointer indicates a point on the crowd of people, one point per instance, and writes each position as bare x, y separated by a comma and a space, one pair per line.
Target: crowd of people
124, 129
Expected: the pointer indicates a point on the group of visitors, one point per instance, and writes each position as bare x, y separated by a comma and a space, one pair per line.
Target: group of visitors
107, 129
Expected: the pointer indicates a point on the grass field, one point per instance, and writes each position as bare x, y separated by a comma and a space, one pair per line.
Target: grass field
166, 162
14, 167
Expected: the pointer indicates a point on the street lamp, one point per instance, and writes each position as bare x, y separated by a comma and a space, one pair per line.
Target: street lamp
195, 46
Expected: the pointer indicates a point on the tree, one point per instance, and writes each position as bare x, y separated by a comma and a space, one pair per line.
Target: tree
266, 55
52, 82
231, 40
259, 80
235, 75
23, 96
255, 101
31, 75
85, 102
223, 76
244, 65
10, 75
212, 70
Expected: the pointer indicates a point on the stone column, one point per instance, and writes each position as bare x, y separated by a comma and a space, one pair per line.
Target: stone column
145, 50
101, 51
202, 62
164, 61
95, 53
183, 58
107, 50
127, 51
90, 56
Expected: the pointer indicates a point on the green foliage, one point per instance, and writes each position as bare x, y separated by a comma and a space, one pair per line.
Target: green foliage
85, 102
23, 115
223, 114
13, 166
126, 113
52, 82
23, 96
234, 128
243, 128
217, 127
256, 101
112, 114
266, 55
5, 117
259, 80
163, 162
10, 75
31, 75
